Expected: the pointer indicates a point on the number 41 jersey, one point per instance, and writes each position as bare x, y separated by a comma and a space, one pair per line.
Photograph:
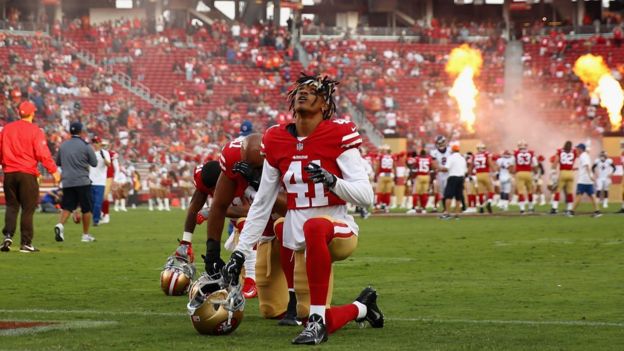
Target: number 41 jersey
290, 155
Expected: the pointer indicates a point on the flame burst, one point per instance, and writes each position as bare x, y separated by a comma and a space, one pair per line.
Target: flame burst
464, 64
594, 72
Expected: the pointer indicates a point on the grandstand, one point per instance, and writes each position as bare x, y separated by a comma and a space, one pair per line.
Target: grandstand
171, 81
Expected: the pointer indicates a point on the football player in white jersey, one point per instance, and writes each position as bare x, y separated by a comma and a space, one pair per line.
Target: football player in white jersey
603, 168
505, 163
440, 155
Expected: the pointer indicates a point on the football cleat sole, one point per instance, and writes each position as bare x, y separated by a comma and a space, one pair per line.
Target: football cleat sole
374, 316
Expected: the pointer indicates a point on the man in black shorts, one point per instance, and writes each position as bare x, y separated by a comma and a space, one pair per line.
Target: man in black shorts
456, 167
74, 157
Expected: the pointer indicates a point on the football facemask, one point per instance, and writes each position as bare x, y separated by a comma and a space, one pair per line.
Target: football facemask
176, 277
215, 310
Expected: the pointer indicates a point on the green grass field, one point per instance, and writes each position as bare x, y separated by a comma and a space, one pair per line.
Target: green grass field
482, 283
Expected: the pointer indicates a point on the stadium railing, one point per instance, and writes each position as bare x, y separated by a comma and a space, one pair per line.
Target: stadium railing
29, 26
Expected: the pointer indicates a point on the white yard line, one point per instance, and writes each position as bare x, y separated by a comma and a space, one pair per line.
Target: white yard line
59, 325
421, 320
504, 321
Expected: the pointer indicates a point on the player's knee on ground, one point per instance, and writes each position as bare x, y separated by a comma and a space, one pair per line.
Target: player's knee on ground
270, 280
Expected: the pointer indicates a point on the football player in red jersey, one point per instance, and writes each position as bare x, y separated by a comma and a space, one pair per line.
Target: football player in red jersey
385, 178
622, 185
525, 163
317, 160
240, 163
204, 178
421, 167
564, 162
483, 165
110, 175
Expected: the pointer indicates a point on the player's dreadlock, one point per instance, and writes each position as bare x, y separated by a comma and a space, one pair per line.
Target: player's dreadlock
325, 87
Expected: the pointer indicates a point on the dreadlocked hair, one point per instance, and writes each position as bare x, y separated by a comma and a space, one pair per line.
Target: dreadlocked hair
325, 87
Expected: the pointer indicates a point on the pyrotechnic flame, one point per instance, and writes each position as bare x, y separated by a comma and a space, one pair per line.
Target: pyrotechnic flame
595, 73
465, 63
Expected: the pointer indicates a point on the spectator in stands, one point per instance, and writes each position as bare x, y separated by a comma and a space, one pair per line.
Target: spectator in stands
618, 35
22, 146
74, 157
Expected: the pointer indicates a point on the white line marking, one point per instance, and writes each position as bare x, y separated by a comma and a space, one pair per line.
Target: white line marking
520, 322
94, 312
62, 325
425, 320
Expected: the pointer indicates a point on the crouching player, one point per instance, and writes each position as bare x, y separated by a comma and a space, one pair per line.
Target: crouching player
236, 187
317, 161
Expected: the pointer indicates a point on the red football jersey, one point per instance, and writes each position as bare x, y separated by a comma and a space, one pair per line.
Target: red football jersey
566, 159
423, 165
199, 185
482, 162
386, 164
110, 170
523, 160
411, 161
290, 155
230, 154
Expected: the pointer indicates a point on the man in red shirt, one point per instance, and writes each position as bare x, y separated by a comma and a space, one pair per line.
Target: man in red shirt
22, 146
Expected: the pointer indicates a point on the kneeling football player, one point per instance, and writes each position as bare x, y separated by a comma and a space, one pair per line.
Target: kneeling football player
317, 160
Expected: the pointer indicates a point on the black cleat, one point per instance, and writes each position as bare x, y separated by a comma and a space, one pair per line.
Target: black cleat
314, 333
290, 318
374, 316
569, 213
289, 321
553, 211
6, 244
597, 214
620, 211
489, 207
481, 210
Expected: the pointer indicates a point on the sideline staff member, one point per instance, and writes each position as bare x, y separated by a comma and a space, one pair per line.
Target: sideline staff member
75, 156
457, 168
22, 146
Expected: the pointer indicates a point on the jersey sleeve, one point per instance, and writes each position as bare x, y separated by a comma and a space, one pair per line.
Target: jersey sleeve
354, 187
260, 210
350, 138
266, 144
230, 154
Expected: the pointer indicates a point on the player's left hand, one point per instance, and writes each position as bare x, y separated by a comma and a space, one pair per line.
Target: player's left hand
319, 174
232, 270
247, 172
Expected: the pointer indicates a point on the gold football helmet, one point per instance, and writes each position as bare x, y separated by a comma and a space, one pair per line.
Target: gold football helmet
481, 147
213, 309
177, 276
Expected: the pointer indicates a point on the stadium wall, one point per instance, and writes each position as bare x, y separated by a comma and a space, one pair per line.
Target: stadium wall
97, 16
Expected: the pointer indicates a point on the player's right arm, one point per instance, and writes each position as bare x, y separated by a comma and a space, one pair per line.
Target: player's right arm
197, 203
257, 219
260, 210
225, 190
